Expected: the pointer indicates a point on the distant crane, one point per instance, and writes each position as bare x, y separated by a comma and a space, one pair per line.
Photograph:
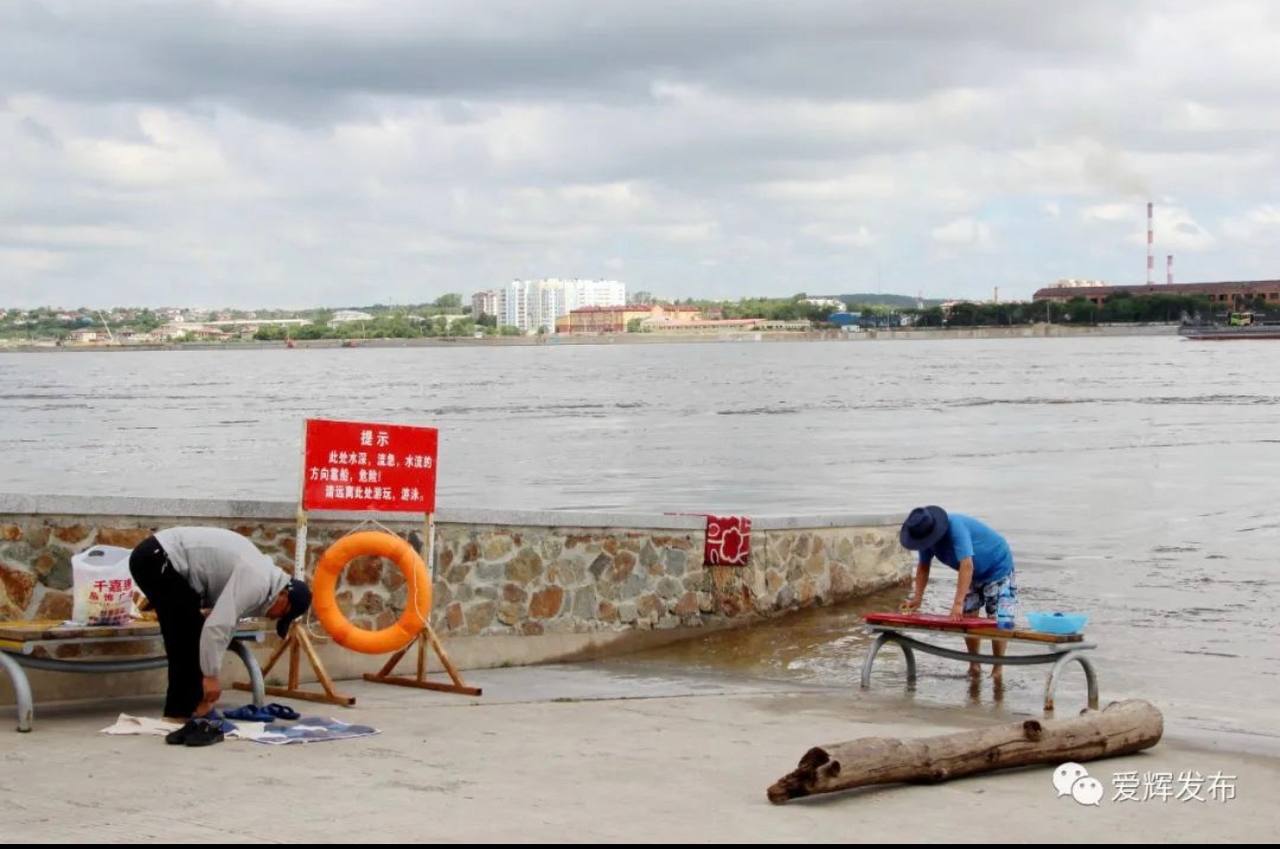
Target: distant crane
110, 336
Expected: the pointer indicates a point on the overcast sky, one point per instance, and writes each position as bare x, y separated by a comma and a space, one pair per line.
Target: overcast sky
273, 153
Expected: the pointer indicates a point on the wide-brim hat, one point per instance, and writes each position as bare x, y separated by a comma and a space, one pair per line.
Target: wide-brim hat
924, 527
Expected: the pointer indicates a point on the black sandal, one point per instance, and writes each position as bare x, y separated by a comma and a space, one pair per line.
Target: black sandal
177, 738
205, 733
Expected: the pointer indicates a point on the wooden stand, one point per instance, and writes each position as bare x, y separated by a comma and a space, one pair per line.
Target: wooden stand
297, 643
426, 639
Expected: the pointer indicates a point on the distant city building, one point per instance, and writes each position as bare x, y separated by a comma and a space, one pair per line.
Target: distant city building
534, 304
844, 318
614, 319
200, 331
1075, 283
797, 325
172, 330
180, 330
834, 303
485, 303
345, 316
513, 306
702, 325
1227, 293
89, 336
257, 322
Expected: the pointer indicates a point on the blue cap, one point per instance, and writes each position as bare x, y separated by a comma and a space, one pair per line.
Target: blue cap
299, 604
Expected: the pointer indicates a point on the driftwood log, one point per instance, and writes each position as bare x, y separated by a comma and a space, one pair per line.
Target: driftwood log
1122, 728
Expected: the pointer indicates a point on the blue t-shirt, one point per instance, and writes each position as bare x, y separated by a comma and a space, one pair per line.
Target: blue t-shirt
967, 537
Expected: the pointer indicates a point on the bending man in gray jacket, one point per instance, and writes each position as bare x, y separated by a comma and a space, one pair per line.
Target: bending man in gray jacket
185, 571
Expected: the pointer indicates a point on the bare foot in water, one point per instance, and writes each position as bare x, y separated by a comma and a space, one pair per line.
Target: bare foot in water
975, 670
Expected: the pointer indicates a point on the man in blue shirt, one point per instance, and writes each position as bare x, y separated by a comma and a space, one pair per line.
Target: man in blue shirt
980, 556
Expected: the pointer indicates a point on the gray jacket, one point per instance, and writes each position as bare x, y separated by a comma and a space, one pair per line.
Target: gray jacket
233, 578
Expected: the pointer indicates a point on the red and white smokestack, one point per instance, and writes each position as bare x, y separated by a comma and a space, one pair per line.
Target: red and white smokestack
1151, 240
1168, 269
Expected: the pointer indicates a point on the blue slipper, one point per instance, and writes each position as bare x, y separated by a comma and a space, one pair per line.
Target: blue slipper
279, 711
251, 713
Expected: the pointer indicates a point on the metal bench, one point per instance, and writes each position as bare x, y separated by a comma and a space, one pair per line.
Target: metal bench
1060, 651
47, 644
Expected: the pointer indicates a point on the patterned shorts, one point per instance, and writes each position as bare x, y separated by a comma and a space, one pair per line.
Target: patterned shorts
987, 596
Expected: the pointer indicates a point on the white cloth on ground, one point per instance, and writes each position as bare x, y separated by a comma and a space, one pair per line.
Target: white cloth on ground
128, 724
145, 725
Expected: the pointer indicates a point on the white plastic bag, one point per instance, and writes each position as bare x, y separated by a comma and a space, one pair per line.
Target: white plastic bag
102, 585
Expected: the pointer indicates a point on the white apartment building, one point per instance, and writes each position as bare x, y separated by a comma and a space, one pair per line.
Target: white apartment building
533, 304
823, 301
345, 316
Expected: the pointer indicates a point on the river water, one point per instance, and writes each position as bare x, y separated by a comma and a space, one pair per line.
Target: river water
1135, 478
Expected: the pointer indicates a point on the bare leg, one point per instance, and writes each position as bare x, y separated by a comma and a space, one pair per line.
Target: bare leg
974, 645
997, 648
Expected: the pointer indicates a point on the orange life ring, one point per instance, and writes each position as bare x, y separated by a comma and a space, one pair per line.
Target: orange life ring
325, 603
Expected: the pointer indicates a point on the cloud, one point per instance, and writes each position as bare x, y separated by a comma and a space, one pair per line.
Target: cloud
1260, 224
25, 260
281, 153
1174, 227
859, 236
1112, 212
70, 236
964, 232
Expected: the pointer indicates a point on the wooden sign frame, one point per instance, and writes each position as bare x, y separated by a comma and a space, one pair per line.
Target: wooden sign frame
298, 641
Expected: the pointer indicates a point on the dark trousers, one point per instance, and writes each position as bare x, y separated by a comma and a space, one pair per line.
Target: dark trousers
177, 607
